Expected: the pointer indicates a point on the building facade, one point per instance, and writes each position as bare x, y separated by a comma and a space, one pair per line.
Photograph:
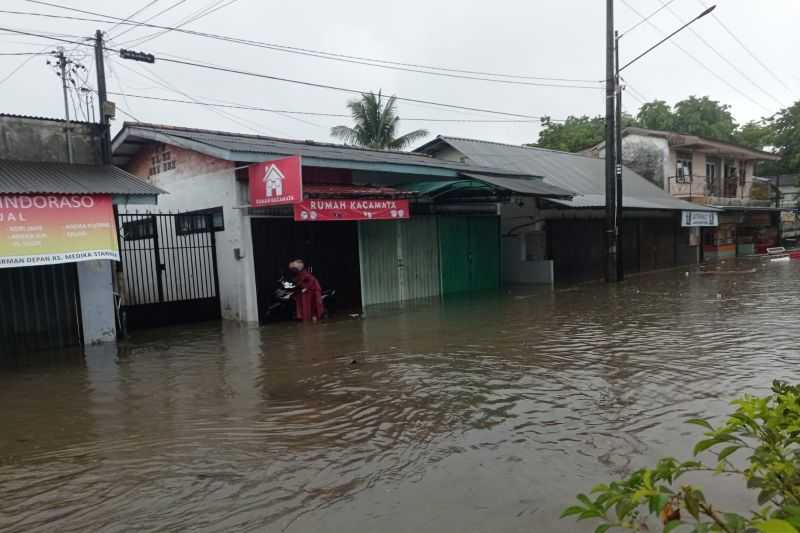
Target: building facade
563, 240
58, 240
711, 173
448, 244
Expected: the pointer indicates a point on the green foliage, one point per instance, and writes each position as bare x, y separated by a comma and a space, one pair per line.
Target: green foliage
704, 117
756, 134
786, 139
765, 430
575, 133
375, 124
656, 115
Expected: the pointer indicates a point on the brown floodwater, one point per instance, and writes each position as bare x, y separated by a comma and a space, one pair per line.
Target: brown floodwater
483, 413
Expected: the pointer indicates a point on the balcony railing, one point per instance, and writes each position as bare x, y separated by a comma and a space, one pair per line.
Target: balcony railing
713, 191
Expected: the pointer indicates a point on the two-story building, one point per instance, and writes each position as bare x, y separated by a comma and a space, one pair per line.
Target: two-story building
707, 172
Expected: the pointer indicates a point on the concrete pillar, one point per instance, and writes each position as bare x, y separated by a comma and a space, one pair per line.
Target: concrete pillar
248, 293
97, 301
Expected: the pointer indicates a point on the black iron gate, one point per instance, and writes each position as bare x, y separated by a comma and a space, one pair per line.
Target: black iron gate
169, 267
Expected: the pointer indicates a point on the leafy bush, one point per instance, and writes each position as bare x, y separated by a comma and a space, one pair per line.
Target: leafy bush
767, 429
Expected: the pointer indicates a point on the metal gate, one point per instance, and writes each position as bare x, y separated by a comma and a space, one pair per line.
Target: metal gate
40, 309
169, 269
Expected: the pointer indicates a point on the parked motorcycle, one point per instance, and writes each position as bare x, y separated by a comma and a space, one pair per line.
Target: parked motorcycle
282, 306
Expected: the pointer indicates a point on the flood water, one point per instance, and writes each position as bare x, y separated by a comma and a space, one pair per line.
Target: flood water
485, 413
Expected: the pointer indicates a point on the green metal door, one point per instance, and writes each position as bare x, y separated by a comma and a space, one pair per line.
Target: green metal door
454, 253
469, 253
484, 255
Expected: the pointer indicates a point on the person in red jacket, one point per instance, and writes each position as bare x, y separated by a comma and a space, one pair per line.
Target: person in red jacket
308, 297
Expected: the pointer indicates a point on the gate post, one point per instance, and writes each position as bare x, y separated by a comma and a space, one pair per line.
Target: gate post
212, 234
159, 265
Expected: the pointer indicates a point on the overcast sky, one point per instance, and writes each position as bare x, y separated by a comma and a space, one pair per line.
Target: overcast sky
534, 38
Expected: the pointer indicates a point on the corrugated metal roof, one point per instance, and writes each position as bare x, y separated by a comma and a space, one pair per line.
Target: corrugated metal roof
527, 186
574, 172
24, 177
244, 147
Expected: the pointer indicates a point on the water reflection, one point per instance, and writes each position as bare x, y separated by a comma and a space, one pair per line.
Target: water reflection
480, 413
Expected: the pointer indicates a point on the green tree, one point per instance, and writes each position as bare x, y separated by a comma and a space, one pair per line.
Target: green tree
575, 133
376, 123
763, 431
704, 117
756, 134
786, 139
656, 115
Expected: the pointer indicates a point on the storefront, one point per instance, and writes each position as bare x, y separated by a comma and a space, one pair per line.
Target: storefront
741, 231
58, 241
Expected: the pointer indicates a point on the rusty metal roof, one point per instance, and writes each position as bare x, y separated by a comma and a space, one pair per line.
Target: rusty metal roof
25, 177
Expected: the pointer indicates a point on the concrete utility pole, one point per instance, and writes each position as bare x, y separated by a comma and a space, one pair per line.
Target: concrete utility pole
611, 186
62, 66
102, 96
614, 259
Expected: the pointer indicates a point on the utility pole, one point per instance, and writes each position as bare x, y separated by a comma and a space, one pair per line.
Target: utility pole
62, 67
618, 159
611, 192
101, 97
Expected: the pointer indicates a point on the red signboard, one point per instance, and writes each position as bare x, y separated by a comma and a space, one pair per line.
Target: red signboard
277, 182
329, 210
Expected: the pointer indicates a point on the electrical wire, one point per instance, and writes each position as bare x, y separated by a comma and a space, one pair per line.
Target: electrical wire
22, 65
298, 82
723, 57
747, 49
161, 81
301, 51
126, 19
696, 60
316, 114
216, 7
648, 17
133, 25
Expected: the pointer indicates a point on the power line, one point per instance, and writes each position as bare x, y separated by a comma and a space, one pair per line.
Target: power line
192, 18
161, 81
133, 25
126, 19
308, 51
648, 17
746, 49
721, 56
699, 62
23, 53
300, 82
318, 114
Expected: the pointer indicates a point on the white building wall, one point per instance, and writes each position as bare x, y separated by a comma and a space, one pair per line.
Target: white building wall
196, 181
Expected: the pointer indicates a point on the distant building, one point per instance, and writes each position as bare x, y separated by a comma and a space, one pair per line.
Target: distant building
563, 240
784, 192
712, 173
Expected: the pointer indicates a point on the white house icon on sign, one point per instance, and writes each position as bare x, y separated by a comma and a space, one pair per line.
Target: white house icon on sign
273, 180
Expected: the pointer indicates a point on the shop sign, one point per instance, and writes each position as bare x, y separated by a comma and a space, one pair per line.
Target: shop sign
276, 182
51, 229
693, 219
330, 210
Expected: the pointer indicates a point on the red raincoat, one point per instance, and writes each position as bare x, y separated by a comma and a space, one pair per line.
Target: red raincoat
308, 297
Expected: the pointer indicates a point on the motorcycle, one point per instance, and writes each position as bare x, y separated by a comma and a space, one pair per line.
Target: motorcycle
282, 306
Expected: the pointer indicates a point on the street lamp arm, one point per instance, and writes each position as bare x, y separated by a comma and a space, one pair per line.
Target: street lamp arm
668, 37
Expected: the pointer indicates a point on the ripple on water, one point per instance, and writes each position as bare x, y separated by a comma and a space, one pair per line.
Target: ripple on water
483, 414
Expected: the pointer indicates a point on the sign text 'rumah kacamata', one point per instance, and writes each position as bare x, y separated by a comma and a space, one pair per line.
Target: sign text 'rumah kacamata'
351, 209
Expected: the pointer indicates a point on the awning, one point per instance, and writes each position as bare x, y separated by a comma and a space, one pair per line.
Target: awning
29, 177
525, 186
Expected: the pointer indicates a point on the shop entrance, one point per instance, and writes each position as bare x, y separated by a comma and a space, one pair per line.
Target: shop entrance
330, 249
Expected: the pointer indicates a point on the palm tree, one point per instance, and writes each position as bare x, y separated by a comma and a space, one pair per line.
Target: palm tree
375, 124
